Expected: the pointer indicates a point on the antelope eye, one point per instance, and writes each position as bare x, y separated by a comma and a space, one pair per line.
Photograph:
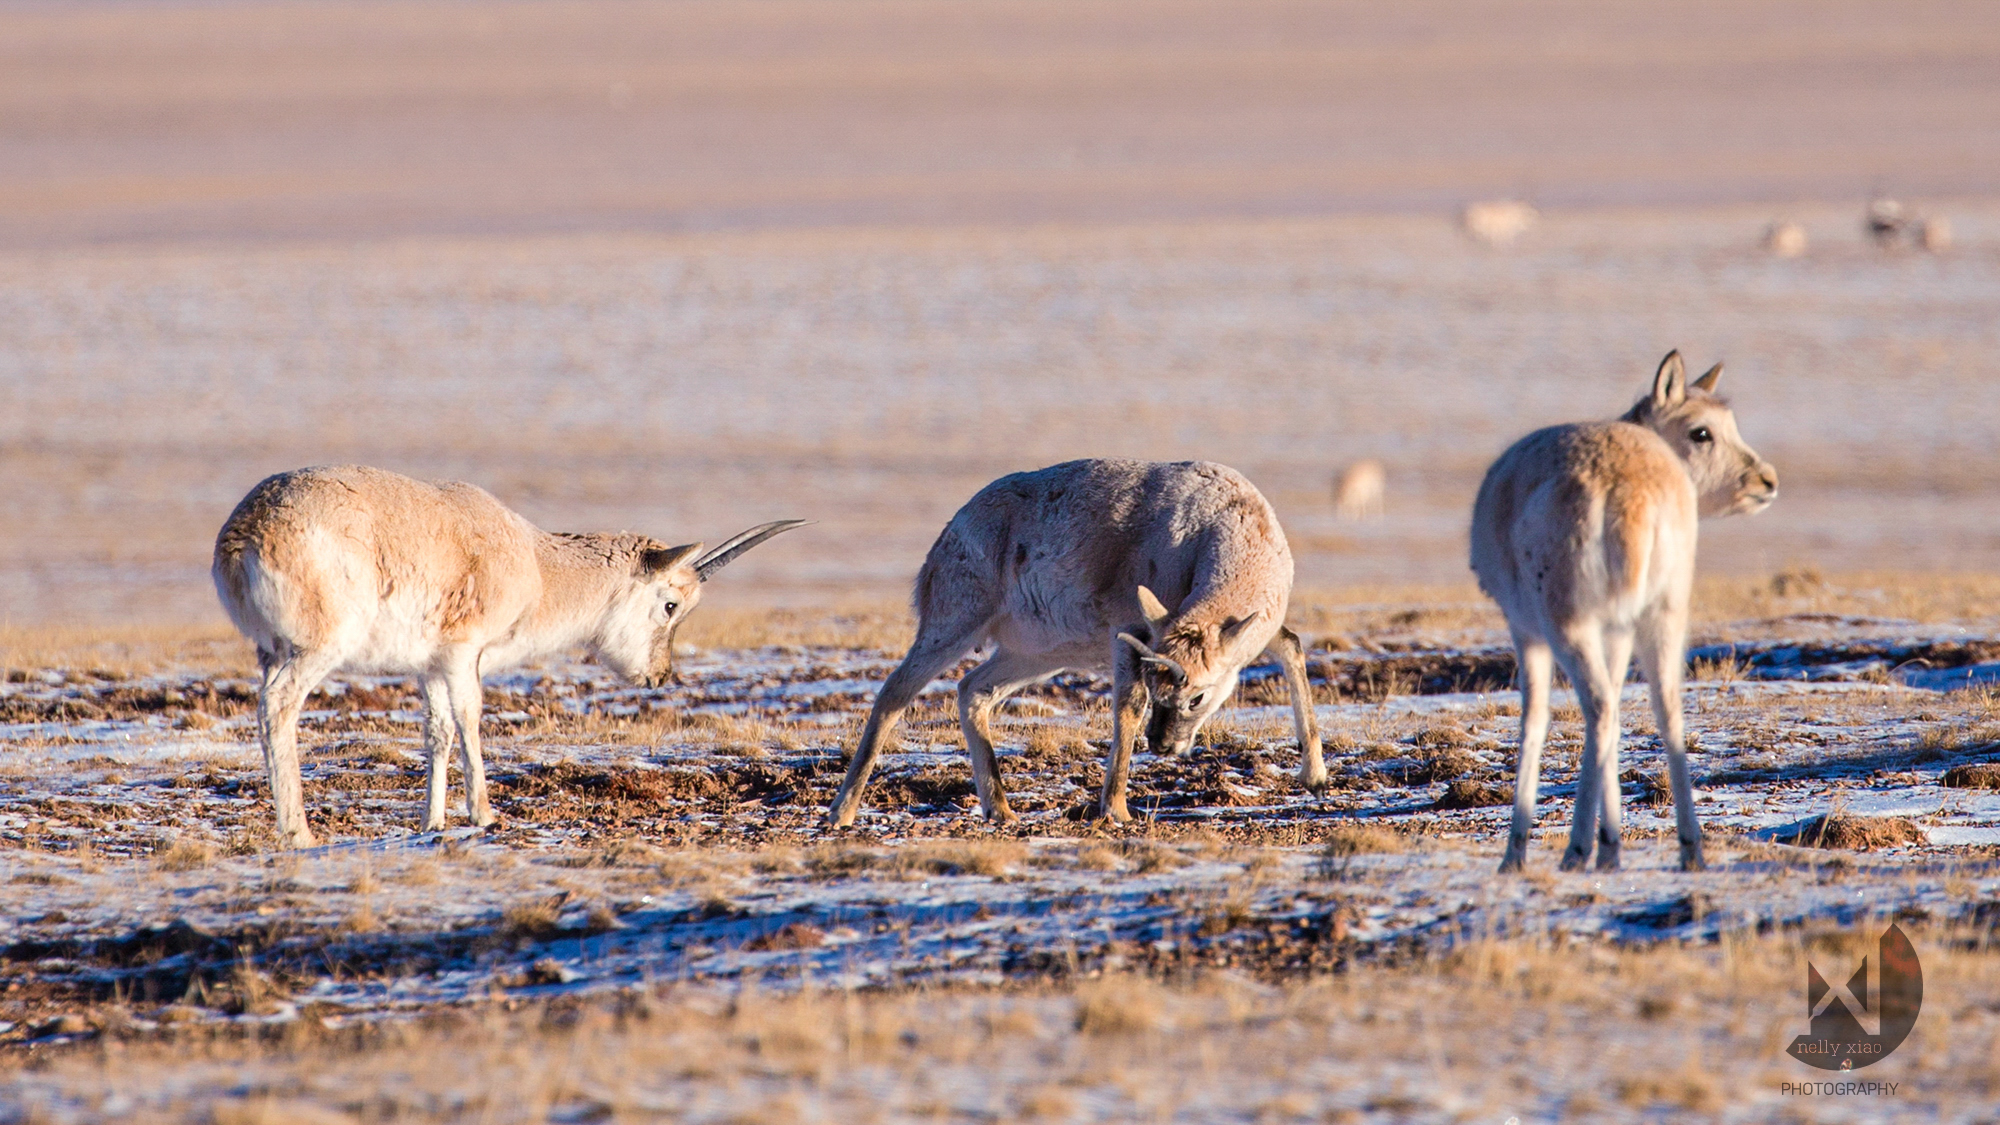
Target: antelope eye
1194, 702
1700, 435
670, 607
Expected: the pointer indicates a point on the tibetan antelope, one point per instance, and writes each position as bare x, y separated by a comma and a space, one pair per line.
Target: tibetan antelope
1585, 535
1498, 222
1357, 491
1172, 576
1785, 239
347, 568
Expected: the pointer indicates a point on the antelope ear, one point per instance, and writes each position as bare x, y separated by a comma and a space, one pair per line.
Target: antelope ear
1235, 625
1707, 382
1156, 614
653, 560
1670, 382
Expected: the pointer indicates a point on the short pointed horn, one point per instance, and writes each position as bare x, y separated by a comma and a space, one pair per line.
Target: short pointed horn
1707, 382
722, 556
1149, 604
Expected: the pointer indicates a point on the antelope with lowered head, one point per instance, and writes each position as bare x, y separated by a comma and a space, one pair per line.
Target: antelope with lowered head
1585, 535
1171, 576
348, 568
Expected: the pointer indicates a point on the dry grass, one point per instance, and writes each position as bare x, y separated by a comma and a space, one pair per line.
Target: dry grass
1328, 1048
124, 651
1466, 793
1363, 839
184, 854
1845, 831
886, 626
880, 625
957, 857
1364, 610
1347, 841
1925, 597
1985, 775
1121, 1004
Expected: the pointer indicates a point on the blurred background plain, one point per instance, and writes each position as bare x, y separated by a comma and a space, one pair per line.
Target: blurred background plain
679, 267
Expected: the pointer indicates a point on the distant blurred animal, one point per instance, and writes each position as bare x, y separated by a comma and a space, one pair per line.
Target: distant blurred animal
1357, 491
1934, 234
1884, 221
1785, 239
1585, 535
1500, 221
351, 568
1172, 576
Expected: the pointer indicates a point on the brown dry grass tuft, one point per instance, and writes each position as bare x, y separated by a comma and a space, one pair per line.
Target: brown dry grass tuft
531, 921
1121, 1004
1466, 793
1363, 839
1347, 841
1985, 775
957, 857
1845, 831
184, 854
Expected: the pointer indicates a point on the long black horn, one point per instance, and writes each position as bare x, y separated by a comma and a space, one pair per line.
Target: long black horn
722, 556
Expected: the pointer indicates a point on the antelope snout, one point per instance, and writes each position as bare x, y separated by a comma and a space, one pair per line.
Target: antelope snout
1760, 487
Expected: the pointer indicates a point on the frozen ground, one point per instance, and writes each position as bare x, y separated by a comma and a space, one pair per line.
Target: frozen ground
660, 929
674, 835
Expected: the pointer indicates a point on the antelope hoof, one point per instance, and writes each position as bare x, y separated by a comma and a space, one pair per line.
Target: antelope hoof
434, 824
1691, 858
1514, 862
1003, 815
1117, 812
303, 838
1574, 860
1607, 860
1316, 783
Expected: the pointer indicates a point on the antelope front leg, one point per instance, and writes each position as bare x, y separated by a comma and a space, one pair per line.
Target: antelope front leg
926, 658
1291, 653
1128, 711
462, 686
438, 727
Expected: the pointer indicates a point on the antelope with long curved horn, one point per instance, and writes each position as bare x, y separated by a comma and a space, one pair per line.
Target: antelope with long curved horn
348, 568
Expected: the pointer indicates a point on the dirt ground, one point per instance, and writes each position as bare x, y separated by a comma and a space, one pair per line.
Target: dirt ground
660, 878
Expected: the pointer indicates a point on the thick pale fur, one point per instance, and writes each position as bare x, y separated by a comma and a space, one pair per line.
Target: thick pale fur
1051, 566
348, 568
1585, 535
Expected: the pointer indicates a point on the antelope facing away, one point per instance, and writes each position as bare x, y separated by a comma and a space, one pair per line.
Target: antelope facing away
1172, 576
347, 568
1585, 535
